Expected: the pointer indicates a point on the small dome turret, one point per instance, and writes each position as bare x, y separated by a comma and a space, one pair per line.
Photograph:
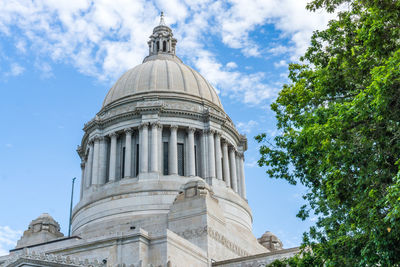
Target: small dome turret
41, 230
270, 241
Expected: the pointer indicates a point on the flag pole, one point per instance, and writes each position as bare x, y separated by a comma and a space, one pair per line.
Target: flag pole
70, 207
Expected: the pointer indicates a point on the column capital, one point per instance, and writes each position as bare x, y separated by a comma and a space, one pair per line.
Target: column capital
83, 165
144, 125
174, 127
156, 124
209, 131
97, 138
218, 133
192, 130
128, 130
240, 154
114, 134
232, 148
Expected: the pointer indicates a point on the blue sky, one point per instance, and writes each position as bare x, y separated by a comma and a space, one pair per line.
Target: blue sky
58, 59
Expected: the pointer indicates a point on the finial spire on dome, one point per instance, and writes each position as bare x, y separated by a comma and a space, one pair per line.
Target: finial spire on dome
162, 22
162, 40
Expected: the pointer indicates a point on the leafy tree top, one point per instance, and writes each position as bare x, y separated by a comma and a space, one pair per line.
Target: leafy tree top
340, 134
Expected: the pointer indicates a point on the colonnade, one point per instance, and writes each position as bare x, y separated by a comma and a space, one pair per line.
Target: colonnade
215, 157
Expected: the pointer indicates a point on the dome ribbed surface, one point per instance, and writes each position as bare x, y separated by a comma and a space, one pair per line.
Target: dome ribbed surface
162, 75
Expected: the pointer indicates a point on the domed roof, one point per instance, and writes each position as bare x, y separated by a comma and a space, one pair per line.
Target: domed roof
270, 241
162, 73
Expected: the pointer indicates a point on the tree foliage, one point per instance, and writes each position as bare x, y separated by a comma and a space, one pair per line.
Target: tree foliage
340, 134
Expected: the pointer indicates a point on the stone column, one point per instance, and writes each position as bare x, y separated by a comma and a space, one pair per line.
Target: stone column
160, 148
211, 154
102, 160
95, 168
82, 178
191, 155
218, 156
154, 147
144, 148
232, 160
113, 157
238, 177
242, 179
227, 174
203, 154
173, 151
128, 152
89, 165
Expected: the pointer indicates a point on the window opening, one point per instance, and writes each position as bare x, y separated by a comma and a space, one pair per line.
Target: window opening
123, 163
108, 164
223, 174
137, 159
165, 158
181, 161
195, 160
164, 46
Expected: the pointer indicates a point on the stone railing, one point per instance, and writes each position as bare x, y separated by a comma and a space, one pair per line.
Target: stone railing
50, 259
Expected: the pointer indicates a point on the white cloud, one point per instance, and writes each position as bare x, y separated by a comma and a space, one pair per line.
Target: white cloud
290, 16
15, 70
9, 145
252, 163
249, 88
281, 63
246, 127
21, 46
8, 239
45, 69
231, 65
278, 49
105, 38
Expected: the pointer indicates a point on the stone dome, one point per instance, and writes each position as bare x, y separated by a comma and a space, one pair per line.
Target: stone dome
270, 241
163, 75
42, 229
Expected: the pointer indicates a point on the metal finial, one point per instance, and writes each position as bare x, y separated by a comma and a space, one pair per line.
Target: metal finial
162, 22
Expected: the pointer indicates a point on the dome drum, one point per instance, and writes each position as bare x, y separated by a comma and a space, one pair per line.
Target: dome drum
156, 131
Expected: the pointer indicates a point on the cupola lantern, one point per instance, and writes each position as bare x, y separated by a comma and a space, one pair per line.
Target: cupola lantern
162, 40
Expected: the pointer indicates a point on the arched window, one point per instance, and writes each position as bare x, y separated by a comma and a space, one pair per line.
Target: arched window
164, 46
158, 46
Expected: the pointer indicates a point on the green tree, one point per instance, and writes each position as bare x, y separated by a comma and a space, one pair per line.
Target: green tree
340, 135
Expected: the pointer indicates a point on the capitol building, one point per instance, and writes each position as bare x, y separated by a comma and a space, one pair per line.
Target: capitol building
163, 181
